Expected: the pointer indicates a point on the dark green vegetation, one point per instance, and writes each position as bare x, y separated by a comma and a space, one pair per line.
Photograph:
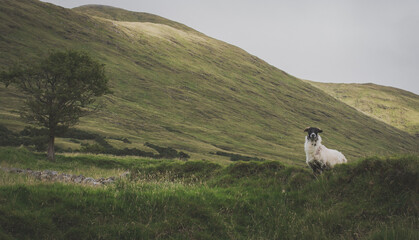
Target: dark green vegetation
393, 106
37, 139
58, 90
175, 87
375, 198
238, 157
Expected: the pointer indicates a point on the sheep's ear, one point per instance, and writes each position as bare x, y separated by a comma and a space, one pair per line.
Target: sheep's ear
307, 128
320, 131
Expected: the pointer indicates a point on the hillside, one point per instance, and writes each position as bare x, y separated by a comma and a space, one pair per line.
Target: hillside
176, 87
118, 14
393, 106
170, 199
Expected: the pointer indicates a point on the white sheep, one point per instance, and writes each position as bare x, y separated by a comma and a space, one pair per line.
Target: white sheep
318, 156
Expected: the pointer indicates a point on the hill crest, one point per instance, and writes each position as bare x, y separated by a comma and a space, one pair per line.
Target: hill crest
119, 14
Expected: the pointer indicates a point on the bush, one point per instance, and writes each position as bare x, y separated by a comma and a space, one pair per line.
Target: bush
238, 157
78, 134
32, 132
93, 148
28, 137
122, 139
38, 137
167, 152
8, 138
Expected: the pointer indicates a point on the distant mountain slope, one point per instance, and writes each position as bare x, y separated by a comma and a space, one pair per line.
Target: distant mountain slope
118, 14
177, 87
393, 106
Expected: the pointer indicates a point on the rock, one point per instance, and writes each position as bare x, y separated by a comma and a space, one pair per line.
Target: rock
108, 180
36, 174
79, 179
50, 175
64, 177
89, 180
96, 184
101, 180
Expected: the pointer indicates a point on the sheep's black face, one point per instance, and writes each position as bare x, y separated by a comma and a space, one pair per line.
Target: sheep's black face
313, 133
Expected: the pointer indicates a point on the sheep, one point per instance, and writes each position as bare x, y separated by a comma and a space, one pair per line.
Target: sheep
318, 156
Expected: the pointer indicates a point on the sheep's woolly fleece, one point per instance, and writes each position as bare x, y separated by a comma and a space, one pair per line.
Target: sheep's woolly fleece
315, 151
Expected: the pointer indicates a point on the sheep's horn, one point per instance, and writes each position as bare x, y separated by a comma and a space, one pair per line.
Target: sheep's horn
307, 128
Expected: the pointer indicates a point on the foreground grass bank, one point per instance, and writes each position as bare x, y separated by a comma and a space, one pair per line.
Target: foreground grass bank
168, 199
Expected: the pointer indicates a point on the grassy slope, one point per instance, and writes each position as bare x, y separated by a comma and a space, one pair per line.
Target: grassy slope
393, 106
370, 199
176, 87
117, 14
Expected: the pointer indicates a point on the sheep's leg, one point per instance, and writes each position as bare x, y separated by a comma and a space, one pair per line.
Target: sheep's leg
316, 166
327, 166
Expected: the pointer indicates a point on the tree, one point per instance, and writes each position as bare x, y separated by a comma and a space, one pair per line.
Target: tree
58, 90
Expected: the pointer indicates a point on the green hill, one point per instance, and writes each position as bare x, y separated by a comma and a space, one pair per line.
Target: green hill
393, 106
118, 14
176, 87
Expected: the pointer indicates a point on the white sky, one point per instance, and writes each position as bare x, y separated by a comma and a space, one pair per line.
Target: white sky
324, 40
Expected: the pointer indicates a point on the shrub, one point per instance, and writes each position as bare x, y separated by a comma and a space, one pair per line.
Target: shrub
78, 134
238, 157
38, 137
8, 138
93, 148
28, 137
167, 152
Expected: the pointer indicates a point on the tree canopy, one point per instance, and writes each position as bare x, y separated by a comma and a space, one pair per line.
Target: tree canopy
58, 89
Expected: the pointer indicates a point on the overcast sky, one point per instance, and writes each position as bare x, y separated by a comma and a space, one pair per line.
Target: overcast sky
348, 41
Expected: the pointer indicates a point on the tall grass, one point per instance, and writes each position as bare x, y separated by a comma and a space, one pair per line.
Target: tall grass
375, 198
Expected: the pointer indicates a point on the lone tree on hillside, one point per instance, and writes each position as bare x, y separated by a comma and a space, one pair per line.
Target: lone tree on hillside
58, 89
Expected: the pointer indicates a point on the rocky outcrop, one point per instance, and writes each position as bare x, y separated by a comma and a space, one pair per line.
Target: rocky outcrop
49, 175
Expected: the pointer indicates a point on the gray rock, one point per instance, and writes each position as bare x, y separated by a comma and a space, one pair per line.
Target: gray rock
108, 180
79, 179
64, 177
101, 180
36, 174
89, 180
50, 175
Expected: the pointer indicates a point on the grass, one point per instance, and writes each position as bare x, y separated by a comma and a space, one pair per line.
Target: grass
372, 198
393, 106
89, 165
175, 87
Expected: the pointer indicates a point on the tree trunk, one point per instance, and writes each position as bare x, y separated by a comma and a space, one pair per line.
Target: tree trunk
51, 151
